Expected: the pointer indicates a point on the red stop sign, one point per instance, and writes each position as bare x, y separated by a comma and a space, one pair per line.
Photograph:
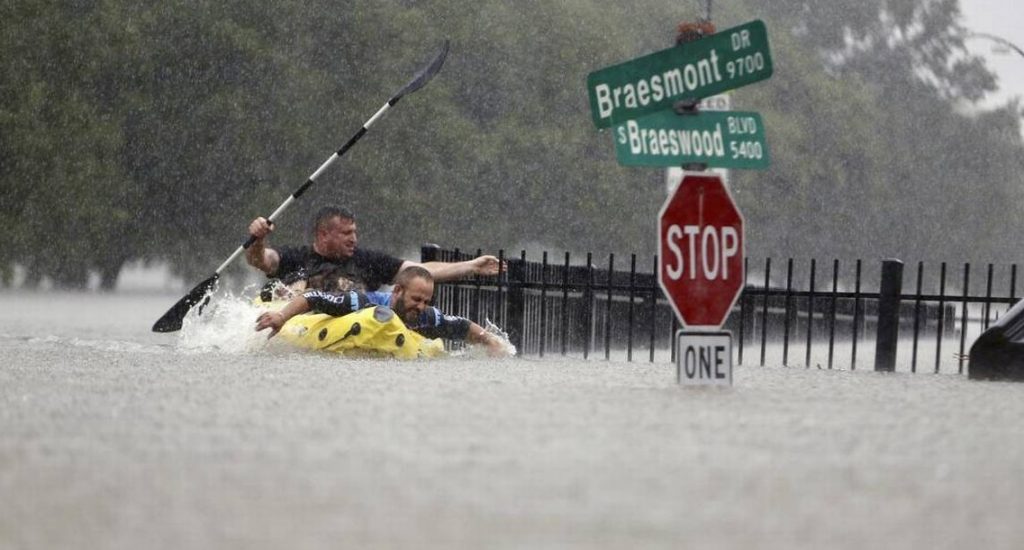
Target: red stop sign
700, 259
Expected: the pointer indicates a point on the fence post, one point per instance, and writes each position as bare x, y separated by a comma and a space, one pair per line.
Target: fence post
430, 252
888, 315
517, 303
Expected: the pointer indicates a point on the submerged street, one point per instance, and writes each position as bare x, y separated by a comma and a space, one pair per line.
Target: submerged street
115, 437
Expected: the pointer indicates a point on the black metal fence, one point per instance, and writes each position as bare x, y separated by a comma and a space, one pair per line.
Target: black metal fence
799, 315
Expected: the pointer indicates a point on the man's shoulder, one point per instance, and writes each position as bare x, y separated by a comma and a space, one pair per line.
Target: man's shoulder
294, 250
432, 316
369, 254
378, 297
292, 262
376, 268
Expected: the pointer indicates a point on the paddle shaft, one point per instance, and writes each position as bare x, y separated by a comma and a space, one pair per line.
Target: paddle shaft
309, 182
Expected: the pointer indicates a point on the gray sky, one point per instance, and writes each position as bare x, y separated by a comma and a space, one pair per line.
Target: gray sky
1003, 18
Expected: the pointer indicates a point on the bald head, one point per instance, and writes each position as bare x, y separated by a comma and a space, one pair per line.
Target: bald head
414, 287
405, 277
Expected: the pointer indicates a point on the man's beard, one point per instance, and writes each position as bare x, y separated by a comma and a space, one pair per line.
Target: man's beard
407, 315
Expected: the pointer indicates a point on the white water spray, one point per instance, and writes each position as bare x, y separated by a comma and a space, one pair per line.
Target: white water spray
227, 324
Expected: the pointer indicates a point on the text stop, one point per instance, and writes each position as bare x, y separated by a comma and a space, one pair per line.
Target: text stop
707, 249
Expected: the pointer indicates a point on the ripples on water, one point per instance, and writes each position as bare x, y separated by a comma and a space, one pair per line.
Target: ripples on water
113, 436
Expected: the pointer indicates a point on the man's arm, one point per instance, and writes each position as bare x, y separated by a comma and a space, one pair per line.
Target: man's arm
336, 304
434, 324
319, 301
258, 254
450, 271
276, 319
477, 335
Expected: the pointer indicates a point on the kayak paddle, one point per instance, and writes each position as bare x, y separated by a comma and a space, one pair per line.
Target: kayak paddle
172, 320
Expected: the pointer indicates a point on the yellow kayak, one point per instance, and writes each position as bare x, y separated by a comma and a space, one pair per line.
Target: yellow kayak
371, 332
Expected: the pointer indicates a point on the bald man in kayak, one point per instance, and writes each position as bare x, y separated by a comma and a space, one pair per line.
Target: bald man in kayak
335, 241
410, 300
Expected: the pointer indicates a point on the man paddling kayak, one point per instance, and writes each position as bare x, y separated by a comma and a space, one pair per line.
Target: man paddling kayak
335, 241
410, 299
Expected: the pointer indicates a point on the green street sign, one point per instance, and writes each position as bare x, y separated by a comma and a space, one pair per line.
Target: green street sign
723, 61
721, 139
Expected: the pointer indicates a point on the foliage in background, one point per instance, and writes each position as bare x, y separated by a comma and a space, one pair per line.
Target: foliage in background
157, 130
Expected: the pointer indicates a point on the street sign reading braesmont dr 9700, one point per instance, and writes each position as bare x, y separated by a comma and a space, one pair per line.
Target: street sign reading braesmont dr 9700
723, 61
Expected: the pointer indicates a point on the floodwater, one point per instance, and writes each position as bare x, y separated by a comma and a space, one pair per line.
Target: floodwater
115, 437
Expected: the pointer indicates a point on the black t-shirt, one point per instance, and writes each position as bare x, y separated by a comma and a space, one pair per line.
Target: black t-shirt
368, 269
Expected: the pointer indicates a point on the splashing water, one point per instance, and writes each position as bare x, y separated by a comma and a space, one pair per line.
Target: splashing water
471, 351
226, 324
495, 330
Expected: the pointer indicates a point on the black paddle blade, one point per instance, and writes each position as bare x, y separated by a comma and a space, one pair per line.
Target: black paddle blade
171, 321
424, 75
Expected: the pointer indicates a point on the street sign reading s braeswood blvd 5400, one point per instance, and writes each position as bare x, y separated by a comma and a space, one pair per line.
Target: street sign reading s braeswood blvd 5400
723, 61
722, 139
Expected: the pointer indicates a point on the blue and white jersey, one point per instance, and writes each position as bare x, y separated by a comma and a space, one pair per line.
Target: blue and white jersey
379, 297
431, 323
